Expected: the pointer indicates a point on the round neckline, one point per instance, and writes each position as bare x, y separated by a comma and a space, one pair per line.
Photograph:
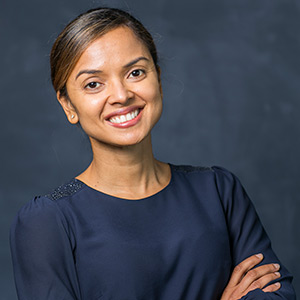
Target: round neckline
131, 200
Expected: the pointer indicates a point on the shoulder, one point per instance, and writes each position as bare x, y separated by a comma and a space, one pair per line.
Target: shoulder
215, 178
225, 178
216, 183
44, 209
218, 173
193, 169
35, 214
49, 201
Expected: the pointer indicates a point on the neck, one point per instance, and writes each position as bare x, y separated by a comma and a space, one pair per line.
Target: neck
129, 172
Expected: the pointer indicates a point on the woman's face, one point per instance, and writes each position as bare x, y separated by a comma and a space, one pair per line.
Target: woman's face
114, 90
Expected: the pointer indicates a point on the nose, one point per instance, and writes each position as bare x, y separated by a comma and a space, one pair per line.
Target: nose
119, 92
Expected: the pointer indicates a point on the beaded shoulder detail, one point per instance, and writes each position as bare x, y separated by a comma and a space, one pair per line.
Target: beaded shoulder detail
65, 190
189, 169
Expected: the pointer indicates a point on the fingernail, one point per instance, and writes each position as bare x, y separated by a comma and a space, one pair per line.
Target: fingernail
277, 274
277, 284
260, 256
276, 266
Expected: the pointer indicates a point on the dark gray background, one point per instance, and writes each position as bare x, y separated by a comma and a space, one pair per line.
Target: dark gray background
230, 72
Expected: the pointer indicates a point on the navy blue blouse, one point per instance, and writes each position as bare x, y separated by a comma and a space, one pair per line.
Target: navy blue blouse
179, 244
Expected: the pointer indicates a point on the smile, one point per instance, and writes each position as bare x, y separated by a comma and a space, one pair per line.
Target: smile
124, 118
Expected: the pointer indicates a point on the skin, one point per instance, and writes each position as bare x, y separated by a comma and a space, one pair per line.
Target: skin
115, 74
122, 157
247, 277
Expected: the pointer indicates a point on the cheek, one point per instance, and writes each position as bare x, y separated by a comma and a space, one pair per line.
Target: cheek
94, 104
90, 106
85, 104
156, 103
151, 92
156, 97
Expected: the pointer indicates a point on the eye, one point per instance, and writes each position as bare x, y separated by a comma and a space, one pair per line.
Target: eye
137, 73
92, 85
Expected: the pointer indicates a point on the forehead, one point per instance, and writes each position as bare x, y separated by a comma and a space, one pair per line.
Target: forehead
118, 46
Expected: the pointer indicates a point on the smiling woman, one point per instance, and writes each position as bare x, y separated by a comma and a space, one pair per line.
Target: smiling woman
129, 226
114, 79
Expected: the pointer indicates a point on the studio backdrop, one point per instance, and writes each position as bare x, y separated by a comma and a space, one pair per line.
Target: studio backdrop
231, 86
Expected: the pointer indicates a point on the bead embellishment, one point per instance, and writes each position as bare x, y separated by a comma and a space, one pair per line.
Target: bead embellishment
65, 190
189, 169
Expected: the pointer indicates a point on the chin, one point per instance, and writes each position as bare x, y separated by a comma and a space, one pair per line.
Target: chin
130, 142
122, 141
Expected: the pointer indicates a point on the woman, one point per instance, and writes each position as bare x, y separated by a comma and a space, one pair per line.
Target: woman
130, 226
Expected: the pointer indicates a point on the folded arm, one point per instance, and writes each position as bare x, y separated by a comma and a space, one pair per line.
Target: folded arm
247, 238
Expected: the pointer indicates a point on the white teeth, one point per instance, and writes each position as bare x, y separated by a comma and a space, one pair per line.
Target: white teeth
124, 118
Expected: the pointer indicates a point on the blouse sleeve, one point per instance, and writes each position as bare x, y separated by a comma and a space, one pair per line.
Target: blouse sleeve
247, 235
41, 247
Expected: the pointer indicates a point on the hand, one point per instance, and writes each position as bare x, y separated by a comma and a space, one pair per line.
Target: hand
246, 278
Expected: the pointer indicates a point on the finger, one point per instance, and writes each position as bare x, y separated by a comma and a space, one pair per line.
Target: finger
263, 281
272, 288
242, 268
260, 276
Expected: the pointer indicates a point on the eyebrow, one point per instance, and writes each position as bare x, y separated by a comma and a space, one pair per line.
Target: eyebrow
135, 61
131, 63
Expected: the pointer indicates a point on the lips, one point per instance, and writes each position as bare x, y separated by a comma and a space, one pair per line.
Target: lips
125, 117
119, 119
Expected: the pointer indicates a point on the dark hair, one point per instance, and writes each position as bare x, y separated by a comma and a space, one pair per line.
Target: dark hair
85, 29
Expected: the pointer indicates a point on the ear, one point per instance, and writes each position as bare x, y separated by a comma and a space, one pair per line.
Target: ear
68, 108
